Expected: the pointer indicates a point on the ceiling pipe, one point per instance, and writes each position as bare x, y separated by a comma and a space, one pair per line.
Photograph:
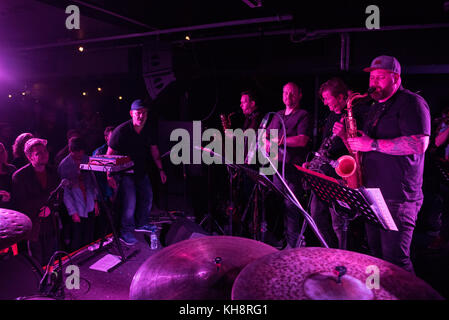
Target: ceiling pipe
308, 33
161, 32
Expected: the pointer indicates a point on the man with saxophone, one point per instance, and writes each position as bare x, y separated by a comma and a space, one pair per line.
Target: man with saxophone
334, 94
242, 185
394, 139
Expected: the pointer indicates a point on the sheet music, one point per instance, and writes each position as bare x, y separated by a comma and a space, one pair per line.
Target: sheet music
375, 198
106, 263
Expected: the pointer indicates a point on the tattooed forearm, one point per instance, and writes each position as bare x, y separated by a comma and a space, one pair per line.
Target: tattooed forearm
405, 145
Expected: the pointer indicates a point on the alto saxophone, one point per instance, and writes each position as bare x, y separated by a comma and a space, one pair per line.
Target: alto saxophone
349, 166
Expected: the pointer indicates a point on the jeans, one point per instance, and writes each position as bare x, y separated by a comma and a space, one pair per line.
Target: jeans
136, 197
329, 224
292, 214
394, 246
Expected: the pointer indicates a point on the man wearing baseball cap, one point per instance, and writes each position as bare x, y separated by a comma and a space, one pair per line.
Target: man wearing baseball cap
137, 139
394, 139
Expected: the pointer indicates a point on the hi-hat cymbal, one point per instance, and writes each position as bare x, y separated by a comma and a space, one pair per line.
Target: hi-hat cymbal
311, 274
14, 226
198, 269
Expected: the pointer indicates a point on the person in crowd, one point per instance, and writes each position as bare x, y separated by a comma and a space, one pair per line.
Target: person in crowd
19, 158
65, 151
34, 187
80, 195
6, 172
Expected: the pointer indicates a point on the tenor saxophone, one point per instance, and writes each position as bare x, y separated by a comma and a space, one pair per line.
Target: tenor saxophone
349, 166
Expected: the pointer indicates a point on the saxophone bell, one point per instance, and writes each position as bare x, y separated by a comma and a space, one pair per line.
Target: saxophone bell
346, 166
347, 169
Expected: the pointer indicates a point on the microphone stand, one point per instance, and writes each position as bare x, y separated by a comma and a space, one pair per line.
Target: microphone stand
291, 196
52, 202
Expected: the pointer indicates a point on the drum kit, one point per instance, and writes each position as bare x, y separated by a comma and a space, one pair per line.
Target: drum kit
227, 267
14, 226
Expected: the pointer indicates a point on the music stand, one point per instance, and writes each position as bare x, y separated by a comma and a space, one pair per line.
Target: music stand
268, 183
360, 201
105, 169
261, 182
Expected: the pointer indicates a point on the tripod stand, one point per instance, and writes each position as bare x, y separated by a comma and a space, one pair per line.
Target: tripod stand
257, 197
208, 216
107, 210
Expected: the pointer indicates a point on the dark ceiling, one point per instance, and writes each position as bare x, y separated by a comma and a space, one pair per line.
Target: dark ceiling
279, 37
26, 23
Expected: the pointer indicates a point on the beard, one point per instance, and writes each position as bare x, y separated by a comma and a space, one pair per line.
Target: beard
381, 94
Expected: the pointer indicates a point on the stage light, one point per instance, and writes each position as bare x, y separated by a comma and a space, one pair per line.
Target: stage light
99, 89
10, 96
23, 93
84, 93
120, 97
187, 38
80, 49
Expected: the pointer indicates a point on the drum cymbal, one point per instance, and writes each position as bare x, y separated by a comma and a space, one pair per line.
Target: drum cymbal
197, 269
312, 273
14, 226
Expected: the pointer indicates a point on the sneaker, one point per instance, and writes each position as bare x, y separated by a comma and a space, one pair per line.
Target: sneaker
128, 239
144, 228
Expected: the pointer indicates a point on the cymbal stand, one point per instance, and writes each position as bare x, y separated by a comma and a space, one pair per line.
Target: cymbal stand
208, 215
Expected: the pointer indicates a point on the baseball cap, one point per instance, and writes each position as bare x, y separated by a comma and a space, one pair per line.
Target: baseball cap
138, 104
385, 62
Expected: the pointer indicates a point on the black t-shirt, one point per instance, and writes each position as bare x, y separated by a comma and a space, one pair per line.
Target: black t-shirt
252, 121
126, 141
296, 123
338, 148
398, 177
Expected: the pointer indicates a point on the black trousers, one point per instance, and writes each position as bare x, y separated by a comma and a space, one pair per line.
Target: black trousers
329, 224
394, 246
82, 232
46, 244
292, 215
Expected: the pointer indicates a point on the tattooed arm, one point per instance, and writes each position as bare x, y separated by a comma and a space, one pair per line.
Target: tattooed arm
401, 146
405, 145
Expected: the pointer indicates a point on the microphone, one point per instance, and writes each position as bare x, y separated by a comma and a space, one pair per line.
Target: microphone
263, 124
65, 183
253, 148
371, 90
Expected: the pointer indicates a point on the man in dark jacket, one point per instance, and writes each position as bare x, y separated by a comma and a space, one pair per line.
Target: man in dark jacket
31, 189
